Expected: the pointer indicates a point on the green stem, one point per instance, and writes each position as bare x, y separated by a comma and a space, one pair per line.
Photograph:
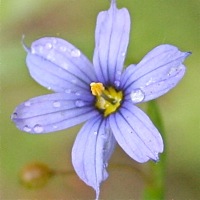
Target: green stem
155, 188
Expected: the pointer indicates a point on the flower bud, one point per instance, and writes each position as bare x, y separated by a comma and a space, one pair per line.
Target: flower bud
35, 175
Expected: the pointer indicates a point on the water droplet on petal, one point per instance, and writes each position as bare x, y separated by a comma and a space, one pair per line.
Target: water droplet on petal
55, 127
38, 128
56, 104
79, 103
123, 54
27, 128
75, 53
117, 83
49, 88
172, 71
137, 96
27, 103
33, 51
48, 46
65, 66
95, 133
77, 93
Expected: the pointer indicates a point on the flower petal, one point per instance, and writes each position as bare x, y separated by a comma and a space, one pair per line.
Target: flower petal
111, 40
136, 134
158, 72
53, 112
58, 65
92, 149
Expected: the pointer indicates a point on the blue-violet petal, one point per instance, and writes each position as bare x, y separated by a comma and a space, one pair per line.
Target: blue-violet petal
53, 112
111, 41
136, 134
58, 65
91, 151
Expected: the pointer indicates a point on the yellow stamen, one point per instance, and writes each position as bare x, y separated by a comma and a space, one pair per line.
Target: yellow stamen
107, 100
97, 88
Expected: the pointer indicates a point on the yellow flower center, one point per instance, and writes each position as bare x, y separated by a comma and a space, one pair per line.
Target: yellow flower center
107, 100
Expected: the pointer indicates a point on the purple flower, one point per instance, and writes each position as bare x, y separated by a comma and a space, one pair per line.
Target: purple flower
102, 93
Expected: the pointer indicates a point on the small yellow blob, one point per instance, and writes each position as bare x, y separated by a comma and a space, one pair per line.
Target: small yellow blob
97, 88
107, 100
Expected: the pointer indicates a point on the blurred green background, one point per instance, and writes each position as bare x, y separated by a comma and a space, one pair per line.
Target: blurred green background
153, 22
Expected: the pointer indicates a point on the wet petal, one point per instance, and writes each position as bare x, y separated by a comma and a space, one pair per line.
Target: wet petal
53, 112
58, 65
158, 72
136, 134
111, 40
92, 149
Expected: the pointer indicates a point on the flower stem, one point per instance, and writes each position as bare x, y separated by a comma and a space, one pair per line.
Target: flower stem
155, 188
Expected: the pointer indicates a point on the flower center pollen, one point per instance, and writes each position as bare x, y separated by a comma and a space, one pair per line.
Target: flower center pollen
108, 100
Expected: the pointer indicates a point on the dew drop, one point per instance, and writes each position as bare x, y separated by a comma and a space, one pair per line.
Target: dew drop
123, 54
79, 103
55, 127
26, 128
149, 82
172, 71
49, 88
77, 93
27, 103
117, 83
56, 104
65, 66
137, 96
38, 128
48, 46
33, 51
75, 53
95, 133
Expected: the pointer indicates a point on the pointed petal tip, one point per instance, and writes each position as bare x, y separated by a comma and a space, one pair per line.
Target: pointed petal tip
97, 190
26, 48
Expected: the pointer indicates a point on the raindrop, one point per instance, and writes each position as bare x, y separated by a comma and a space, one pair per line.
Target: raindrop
117, 83
172, 71
75, 53
79, 103
137, 96
48, 46
27, 103
33, 51
149, 82
95, 133
55, 127
65, 66
123, 54
38, 128
77, 93
56, 104
26, 128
